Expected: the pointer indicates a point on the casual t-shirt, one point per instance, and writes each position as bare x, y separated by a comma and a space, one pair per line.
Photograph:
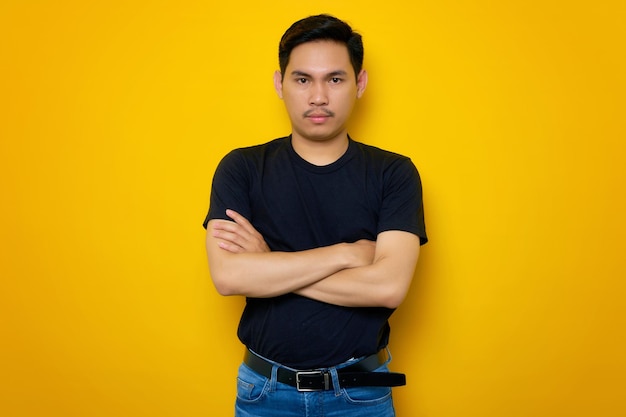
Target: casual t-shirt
296, 206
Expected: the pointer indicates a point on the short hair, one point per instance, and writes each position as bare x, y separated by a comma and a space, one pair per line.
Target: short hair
321, 27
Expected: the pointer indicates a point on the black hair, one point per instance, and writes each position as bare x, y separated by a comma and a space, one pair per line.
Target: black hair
321, 27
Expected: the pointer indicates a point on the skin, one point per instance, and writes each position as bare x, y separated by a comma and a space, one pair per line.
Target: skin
319, 89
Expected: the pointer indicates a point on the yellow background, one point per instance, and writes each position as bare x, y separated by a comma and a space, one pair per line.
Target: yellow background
114, 114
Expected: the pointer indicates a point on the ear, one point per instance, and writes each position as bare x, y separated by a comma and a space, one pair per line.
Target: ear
361, 83
278, 83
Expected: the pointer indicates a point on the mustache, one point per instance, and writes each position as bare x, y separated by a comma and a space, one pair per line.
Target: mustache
318, 111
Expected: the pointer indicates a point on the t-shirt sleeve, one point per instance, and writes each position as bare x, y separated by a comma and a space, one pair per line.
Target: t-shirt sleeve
229, 189
402, 205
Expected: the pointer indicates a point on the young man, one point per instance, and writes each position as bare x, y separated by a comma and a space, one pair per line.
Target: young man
321, 234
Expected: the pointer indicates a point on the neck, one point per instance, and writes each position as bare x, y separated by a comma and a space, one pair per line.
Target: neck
320, 152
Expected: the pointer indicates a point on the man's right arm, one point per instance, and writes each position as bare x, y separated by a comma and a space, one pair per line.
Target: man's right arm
262, 273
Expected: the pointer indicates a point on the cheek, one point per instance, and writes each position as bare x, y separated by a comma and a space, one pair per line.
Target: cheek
292, 106
293, 114
292, 111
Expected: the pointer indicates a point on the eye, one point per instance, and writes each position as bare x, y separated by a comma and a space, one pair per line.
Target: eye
335, 80
301, 80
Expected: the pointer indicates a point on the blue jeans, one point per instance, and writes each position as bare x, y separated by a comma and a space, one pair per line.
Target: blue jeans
258, 396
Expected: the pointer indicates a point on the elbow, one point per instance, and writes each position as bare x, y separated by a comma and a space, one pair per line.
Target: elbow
224, 290
391, 297
392, 301
223, 285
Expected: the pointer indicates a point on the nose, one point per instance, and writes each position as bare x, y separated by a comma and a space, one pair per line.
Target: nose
319, 95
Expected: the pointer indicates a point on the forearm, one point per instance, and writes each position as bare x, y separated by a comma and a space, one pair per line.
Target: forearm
368, 286
269, 274
384, 283
241, 263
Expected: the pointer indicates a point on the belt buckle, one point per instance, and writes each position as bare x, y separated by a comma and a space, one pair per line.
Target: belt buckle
323, 374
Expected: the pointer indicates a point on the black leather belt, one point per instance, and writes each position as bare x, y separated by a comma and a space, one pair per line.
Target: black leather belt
358, 374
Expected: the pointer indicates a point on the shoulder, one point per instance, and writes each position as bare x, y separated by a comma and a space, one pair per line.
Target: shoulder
260, 149
382, 159
378, 153
256, 153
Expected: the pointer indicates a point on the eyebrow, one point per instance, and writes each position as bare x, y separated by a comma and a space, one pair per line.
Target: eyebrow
336, 73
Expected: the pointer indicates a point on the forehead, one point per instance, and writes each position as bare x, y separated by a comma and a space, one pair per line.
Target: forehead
319, 57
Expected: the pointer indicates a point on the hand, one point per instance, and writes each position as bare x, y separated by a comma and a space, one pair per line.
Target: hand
238, 236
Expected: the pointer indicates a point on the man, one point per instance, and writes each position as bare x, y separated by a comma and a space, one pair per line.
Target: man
321, 234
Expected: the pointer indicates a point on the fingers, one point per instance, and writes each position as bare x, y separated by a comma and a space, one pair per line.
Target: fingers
233, 231
230, 234
239, 235
230, 247
253, 235
240, 220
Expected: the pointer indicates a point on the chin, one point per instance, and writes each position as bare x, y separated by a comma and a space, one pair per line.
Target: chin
320, 136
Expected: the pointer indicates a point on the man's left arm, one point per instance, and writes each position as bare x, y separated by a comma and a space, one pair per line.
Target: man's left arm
384, 283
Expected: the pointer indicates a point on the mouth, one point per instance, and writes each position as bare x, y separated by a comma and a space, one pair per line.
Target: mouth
318, 115
317, 119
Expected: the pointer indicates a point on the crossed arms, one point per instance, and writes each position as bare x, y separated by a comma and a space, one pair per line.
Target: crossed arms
359, 274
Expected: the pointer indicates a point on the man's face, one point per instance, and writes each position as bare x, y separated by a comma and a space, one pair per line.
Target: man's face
319, 89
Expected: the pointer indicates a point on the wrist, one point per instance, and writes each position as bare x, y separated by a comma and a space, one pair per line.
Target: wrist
347, 256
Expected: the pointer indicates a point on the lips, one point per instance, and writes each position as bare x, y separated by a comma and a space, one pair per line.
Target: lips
318, 119
318, 116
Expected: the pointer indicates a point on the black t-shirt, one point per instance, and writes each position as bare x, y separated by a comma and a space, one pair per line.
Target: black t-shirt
296, 206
